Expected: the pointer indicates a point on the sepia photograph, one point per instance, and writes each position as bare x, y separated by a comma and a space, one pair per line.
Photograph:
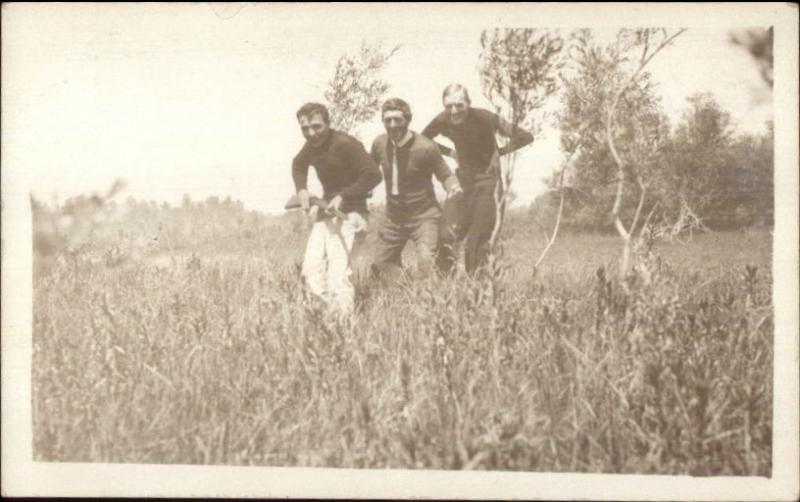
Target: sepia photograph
516, 251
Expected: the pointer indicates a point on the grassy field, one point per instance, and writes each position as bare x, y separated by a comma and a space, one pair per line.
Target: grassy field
201, 349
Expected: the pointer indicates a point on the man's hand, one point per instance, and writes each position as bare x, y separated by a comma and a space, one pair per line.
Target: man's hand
312, 213
455, 190
333, 205
304, 199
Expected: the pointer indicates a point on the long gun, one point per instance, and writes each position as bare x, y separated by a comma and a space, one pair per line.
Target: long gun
313, 200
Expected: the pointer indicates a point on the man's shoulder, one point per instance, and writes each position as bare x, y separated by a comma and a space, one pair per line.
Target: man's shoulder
379, 145
302, 154
340, 138
421, 142
484, 114
439, 121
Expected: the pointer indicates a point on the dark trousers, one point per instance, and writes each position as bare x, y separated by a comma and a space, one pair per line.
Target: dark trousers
395, 233
471, 216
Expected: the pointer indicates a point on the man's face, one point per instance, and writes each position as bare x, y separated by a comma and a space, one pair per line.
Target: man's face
456, 106
396, 124
314, 128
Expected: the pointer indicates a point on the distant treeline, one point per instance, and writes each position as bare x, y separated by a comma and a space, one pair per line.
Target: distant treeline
702, 176
97, 224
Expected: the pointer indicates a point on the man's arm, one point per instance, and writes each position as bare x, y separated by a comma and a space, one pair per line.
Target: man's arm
300, 172
369, 176
300, 177
441, 170
518, 137
434, 129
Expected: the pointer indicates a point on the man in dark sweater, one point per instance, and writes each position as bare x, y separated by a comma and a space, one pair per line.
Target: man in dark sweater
347, 174
471, 214
409, 161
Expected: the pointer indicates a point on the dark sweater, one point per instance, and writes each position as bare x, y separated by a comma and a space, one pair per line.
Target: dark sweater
417, 161
474, 140
343, 167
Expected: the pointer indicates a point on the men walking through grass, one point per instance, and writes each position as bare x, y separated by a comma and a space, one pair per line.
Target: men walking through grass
347, 174
408, 161
471, 215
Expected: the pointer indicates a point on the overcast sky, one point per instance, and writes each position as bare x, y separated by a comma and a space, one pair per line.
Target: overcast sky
200, 99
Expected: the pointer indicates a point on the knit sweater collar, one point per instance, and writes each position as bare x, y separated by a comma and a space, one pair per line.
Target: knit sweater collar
403, 142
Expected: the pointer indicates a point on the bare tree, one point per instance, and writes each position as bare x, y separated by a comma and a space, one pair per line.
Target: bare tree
550, 240
519, 71
650, 42
354, 93
611, 93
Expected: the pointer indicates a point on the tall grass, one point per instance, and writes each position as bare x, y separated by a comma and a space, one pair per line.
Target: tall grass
214, 356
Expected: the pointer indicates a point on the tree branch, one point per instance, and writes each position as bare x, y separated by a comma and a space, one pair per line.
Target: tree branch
643, 190
557, 224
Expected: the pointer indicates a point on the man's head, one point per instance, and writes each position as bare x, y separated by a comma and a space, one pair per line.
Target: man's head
314, 122
455, 99
396, 115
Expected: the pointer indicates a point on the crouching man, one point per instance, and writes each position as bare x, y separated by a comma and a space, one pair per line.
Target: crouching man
347, 174
408, 161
